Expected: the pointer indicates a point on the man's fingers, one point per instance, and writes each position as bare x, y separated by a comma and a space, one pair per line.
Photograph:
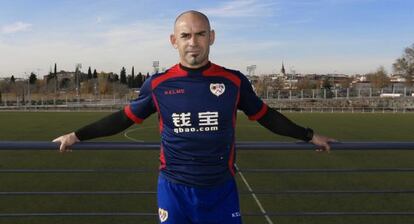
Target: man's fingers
332, 140
323, 147
57, 139
322, 142
62, 147
64, 143
327, 149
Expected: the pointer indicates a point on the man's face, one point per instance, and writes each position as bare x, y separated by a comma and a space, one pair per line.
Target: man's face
192, 37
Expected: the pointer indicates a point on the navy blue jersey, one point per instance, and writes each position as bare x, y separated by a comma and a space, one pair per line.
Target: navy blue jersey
197, 112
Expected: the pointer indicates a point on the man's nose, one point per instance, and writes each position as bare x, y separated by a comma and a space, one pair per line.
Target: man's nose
193, 41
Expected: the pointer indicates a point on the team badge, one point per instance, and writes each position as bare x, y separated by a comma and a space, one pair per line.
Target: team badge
163, 214
217, 88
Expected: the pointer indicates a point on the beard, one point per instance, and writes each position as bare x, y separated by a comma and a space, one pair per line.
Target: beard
194, 60
194, 57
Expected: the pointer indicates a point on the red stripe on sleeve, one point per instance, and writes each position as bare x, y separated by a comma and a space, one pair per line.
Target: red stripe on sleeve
259, 114
128, 112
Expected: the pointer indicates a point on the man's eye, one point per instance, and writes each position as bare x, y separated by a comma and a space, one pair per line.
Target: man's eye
185, 35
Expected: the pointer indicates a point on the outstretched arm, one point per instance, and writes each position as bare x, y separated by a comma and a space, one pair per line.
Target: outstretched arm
279, 124
109, 125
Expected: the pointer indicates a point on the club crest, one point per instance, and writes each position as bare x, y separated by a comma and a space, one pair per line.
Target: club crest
163, 214
217, 88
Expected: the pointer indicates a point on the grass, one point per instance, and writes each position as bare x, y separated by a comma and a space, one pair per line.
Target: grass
343, 126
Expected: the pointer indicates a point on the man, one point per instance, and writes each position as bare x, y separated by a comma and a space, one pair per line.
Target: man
197, 103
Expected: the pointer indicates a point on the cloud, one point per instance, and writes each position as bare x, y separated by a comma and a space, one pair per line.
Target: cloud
140, 35
136, 44
98, 20
16, 27
242, 8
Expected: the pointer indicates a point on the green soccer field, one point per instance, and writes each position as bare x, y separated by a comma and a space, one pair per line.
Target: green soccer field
342, 126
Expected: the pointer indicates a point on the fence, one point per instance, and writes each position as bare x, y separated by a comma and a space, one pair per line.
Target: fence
36, 145
338, 93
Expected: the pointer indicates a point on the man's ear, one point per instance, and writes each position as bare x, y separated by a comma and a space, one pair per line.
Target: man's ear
173, 41
212, 37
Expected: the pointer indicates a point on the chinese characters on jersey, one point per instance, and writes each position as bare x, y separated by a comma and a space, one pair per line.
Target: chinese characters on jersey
207, 121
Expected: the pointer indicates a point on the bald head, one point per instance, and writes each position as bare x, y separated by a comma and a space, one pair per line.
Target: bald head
193, 13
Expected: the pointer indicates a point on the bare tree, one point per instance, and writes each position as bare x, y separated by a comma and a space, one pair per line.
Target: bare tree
379, 79
305, 83
261, 86
405, 65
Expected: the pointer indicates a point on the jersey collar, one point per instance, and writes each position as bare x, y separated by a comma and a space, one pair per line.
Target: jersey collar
197, 70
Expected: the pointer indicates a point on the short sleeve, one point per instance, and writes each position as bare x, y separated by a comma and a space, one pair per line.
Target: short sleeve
249, 102
142, 107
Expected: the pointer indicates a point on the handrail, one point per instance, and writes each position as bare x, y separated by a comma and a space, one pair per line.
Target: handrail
243, 145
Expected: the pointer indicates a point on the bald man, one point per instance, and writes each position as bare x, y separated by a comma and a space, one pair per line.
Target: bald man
197, 103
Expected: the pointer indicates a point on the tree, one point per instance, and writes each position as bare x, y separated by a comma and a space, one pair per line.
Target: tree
89, 73
32, 78
305, 83
130, 81
116, 78
138, 80
95, 75
405, 65
379, 79
12, 79
123, 76
105, 86
261, 87
109, 78
327, 87
345, 83
77, 79
56, 78
4, 86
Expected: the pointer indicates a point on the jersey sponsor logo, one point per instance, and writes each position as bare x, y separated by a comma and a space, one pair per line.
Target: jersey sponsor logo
163, 214
207, 121
217, 88
174, 91
235, 214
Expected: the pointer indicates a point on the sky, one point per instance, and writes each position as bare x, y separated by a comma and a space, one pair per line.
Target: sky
308, 36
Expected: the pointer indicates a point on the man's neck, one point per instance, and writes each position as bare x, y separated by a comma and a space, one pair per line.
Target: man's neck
183, 63
196, 68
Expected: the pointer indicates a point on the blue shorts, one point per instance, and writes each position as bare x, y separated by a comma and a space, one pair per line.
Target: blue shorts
180, 204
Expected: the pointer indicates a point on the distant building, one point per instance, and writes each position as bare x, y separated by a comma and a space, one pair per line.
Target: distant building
397, 78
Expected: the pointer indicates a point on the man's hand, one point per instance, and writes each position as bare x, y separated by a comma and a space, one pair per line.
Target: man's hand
323, 142
66, 141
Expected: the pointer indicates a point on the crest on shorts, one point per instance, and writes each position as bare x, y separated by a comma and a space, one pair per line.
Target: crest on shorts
217, 88
163, 214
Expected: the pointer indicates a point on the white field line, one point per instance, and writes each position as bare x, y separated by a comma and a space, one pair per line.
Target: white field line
126, 133
254, 196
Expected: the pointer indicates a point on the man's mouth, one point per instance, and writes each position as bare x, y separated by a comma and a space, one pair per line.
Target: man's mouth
193, 52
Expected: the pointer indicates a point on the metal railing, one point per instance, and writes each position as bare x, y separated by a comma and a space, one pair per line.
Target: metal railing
39, 145
245, 145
